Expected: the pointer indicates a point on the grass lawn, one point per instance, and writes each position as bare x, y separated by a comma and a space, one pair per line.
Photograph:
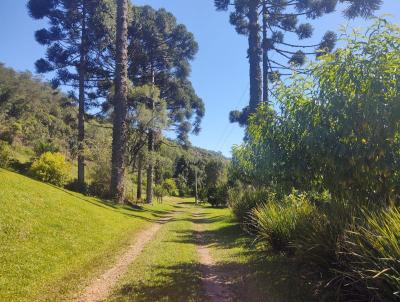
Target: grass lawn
253, 276
53, 241
168, 268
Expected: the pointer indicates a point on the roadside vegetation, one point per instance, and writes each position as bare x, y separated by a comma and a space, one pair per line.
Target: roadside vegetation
307, 208
320, 175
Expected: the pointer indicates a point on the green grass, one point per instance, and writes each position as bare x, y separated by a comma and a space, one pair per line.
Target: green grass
168, 268
253, 274
52, 241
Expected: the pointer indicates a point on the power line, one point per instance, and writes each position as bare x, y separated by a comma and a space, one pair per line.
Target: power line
229, 127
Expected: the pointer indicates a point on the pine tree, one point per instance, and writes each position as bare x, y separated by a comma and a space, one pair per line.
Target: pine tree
277, 18
120, 103
73, 38
160, 52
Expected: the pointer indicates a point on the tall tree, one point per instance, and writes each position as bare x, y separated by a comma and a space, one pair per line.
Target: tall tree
74, 38
120, 103
160, 53
279, 17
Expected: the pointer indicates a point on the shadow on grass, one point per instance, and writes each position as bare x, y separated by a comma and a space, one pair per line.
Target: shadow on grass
172, 283
107, 204
251, 274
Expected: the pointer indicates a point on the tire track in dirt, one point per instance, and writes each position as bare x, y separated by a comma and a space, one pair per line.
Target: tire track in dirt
215, 287
99, 289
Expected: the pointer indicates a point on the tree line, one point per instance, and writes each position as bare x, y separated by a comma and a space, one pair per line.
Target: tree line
132, 63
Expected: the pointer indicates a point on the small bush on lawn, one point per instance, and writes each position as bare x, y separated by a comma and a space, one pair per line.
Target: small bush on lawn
101, 178
160, 192
217, 196
243, 199
171, 187
51, 168
5, 154
75, 186
317, 245
279, 222
371, 258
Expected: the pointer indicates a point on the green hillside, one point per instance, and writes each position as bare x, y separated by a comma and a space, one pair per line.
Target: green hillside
51, 240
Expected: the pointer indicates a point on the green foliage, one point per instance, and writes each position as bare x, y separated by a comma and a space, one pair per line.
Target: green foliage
32, 113
160, 192
5, 154
170, 186
336, 137
51, 168
45, 146
370, 257
217, 196
336, 129
279, 222
243, 199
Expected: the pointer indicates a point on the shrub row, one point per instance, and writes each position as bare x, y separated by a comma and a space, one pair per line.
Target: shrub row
353, 250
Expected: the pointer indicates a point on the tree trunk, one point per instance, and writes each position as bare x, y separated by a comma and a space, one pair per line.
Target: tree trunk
120, 104
265, 54
81, 97
150, 148
150, 167
139, 178
254, 53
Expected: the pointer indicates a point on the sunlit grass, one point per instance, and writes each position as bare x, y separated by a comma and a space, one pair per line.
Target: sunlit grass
168, 268
53, 241
253, 276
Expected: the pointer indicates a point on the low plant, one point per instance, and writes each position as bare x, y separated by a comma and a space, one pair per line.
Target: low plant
217, 196
101, 178
370, 257
243, 199
5, 154
170, 186
51, 168
279, 222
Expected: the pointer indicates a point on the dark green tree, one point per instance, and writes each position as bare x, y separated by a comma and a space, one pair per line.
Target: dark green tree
120, 103
160, 52
277, 18
74, 37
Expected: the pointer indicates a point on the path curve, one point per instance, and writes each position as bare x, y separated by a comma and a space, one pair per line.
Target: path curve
101, 288
214, 285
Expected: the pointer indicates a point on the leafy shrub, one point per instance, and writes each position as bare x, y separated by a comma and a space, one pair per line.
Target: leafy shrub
45, 146
101, 178
279, 222
171, 187
217, 196
160, 192
77, 187
318, 243
51, 168
370, 257
5, 154
242, 200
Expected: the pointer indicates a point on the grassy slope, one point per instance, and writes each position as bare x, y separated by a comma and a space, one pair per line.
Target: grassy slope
52, 241
168, 268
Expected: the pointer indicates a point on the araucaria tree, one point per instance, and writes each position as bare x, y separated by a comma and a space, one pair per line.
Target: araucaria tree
120, 103
74, 38
160, 52
274, 19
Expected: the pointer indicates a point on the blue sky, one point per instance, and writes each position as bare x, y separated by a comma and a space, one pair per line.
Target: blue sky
219, 72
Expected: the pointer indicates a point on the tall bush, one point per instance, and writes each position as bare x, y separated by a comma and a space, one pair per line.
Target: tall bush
5, 154
280, 222
370, 257
51, 168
